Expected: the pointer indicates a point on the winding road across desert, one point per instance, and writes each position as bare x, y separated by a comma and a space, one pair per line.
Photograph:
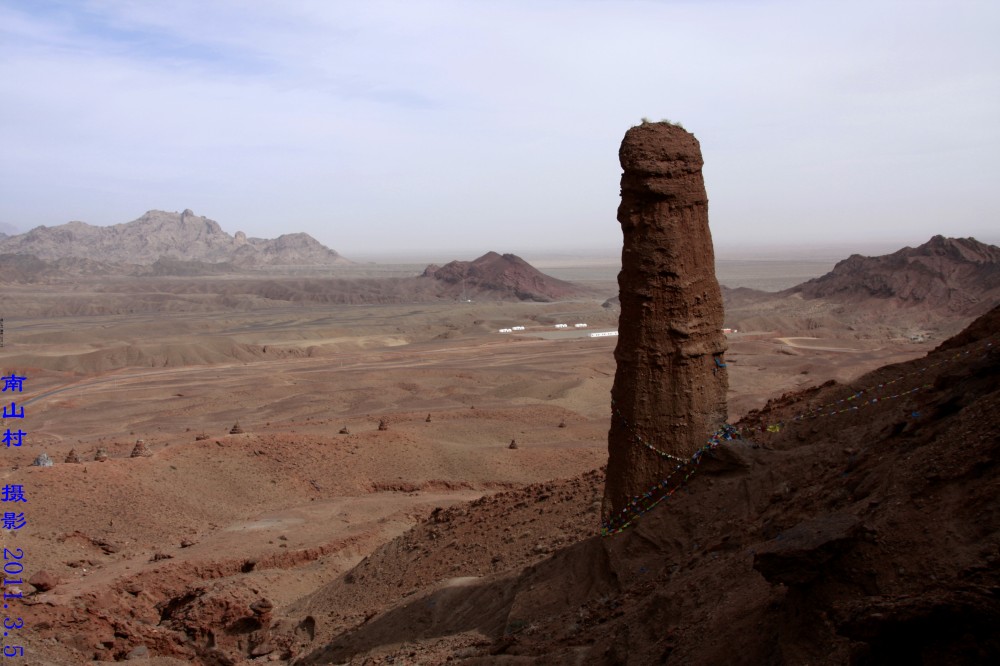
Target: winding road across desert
816, 344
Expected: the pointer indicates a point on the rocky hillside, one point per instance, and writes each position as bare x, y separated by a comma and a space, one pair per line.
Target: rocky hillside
174, 286
29, 269
174, 236
950, 275
862, 526
500, 275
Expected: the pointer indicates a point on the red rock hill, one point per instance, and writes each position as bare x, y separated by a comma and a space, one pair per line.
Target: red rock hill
948, 275
502, 274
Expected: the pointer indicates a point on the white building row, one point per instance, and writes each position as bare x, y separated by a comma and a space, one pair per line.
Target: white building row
521, 328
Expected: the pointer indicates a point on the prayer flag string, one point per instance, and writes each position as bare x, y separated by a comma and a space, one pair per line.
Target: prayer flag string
685, 468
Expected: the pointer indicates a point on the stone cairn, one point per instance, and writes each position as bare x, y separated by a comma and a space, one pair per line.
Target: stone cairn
345, 431
42, 460
428, 419
671, 382
236, 429
513, 444
101, 455
382, 425
73, 457
141, 450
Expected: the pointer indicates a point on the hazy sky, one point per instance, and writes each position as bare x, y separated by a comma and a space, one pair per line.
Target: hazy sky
407, 126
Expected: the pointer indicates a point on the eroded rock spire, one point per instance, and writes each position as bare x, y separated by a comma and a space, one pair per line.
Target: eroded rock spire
671, 382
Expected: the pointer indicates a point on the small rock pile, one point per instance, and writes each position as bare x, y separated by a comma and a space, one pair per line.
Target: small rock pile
42, 460
141, 450
43, 580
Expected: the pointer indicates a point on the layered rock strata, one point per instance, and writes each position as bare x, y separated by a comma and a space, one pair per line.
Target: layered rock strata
670, 385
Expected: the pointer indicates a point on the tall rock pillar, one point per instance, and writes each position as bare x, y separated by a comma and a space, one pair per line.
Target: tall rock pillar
671, 382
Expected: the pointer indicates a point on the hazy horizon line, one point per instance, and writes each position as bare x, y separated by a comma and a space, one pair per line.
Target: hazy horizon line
814, 251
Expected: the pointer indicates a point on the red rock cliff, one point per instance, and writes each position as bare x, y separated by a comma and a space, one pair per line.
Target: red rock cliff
671, 382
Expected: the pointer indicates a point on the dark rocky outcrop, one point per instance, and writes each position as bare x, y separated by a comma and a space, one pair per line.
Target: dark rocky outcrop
671, 382
801, 554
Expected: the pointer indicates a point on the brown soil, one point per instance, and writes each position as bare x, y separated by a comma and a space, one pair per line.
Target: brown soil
867, 537
178, 551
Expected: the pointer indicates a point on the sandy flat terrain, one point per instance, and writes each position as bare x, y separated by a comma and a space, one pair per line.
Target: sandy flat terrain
291, 502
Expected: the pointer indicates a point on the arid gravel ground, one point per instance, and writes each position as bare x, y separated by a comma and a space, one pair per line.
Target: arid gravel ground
153, 550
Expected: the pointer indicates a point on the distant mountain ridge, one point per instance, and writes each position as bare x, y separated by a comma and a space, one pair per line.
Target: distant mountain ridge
957, 275
174, 236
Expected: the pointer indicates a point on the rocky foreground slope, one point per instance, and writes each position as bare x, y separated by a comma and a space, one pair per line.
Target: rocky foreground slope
850, 524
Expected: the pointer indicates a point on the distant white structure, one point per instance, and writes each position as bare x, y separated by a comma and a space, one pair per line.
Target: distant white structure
730, 330
517, 328
579, 326
603, 334
506, 330
562, 325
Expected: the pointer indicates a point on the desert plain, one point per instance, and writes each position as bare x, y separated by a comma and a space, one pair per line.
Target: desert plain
287, 441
